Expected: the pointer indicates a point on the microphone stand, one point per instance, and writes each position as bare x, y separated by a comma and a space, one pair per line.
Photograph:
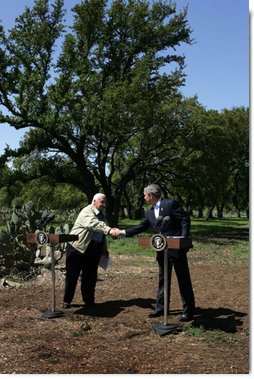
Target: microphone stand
166, 328
51, 313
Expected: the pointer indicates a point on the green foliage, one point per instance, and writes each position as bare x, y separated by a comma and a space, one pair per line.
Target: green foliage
210, 175
67, 197
44, 194
104, 111
4, 197
107, 96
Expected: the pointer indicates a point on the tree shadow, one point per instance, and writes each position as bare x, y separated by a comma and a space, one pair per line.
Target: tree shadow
114, 307
224, 319
223, 237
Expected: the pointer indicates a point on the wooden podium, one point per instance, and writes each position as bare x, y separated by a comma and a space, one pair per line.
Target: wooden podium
51, 238
42, 238
161, 243
171, 242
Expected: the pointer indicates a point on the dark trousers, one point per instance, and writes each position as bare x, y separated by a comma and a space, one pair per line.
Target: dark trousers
181, 267
85, 263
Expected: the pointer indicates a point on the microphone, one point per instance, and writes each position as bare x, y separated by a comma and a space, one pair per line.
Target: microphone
164, 221
45, 219
157, 224
50, 217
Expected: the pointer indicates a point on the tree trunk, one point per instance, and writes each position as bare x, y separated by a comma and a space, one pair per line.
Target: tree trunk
209, 214
220, 211
200, 212
129, 206
113, 210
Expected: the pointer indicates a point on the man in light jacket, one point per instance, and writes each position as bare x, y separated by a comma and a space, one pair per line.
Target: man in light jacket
84, 255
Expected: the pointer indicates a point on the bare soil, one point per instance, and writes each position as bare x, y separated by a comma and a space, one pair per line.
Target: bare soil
119, 338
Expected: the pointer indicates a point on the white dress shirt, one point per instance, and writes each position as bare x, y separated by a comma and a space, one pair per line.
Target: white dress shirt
157, 208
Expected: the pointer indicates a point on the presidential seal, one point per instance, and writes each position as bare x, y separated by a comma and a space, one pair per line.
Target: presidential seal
41, 238
158, 242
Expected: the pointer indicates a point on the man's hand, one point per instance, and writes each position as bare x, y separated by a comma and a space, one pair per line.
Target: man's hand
115, 232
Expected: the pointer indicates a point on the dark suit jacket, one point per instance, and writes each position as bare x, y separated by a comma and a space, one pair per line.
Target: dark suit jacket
177, 225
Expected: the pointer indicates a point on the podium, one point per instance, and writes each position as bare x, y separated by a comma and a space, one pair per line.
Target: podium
158, 242
175, 243
42, 238
54, 239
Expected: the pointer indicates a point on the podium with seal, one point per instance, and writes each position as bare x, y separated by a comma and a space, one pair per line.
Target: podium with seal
159, 242
42, 238
162, 243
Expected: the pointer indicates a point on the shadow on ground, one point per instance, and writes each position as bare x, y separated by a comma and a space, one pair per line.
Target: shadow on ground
113, 308
224, 319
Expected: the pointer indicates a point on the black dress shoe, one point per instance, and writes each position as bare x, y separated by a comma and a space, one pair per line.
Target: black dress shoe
66, 305
186, 317
158, 313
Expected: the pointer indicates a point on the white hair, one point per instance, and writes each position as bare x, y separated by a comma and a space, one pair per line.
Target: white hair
98, 196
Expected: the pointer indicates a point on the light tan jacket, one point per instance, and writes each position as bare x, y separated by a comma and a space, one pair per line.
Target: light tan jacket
85, 224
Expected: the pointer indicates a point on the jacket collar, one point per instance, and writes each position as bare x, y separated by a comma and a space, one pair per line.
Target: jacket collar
96, 210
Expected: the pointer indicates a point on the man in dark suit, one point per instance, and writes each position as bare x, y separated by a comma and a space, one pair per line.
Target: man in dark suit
168, 217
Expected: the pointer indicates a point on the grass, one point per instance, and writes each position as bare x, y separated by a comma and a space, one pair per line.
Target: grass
202, 227
217, 336
221, 241
216, 227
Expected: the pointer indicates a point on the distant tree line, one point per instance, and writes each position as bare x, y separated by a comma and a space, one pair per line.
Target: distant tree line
107, 114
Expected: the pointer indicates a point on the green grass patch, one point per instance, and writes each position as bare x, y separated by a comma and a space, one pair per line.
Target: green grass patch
220, 241
127, 246
225, 227
202, 227
223, 241
194, 331
209, 336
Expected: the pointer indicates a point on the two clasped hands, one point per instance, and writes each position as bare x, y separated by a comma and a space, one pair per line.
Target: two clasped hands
115, 232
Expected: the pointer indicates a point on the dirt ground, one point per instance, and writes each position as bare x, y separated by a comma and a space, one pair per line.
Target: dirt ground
119, 338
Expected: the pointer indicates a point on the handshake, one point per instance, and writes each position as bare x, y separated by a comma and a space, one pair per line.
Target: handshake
115, 232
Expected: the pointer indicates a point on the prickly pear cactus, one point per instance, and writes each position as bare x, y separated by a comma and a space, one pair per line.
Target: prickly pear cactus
12, 247
15, 253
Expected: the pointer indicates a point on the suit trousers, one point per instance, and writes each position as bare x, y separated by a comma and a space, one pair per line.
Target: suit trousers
85, 263
181, 268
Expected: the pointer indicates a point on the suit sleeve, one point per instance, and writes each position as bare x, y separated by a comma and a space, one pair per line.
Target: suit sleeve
142, 227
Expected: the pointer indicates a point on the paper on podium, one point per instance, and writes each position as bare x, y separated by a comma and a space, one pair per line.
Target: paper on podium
104, 262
